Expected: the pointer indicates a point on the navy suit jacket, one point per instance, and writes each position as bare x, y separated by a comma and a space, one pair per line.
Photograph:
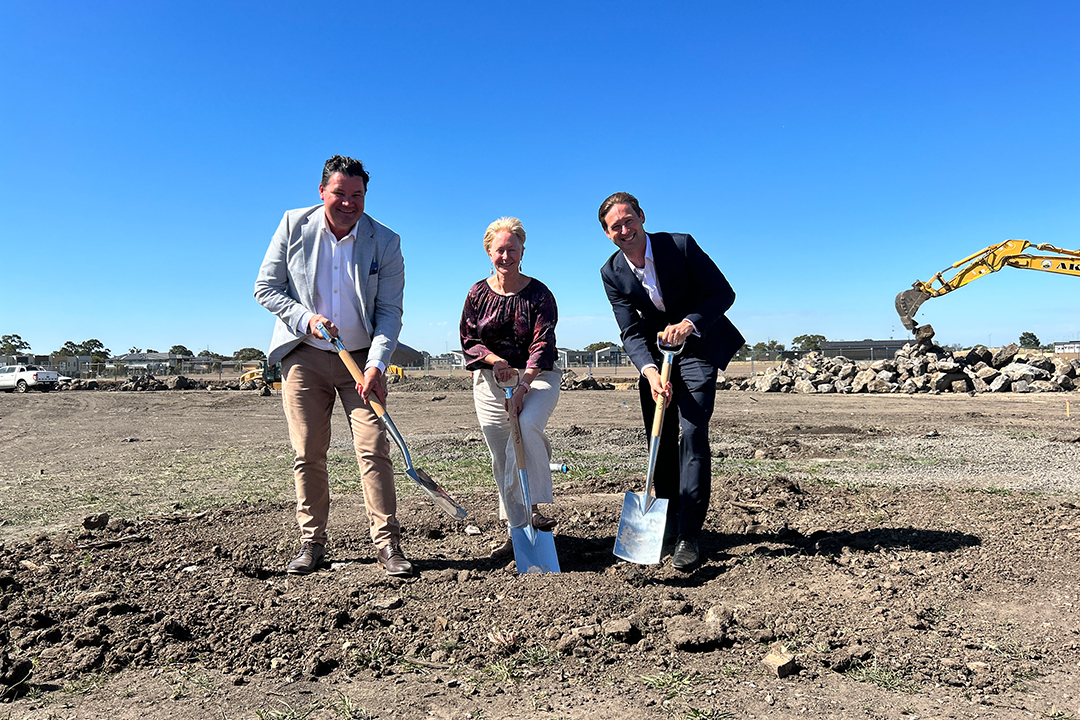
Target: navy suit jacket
693, 288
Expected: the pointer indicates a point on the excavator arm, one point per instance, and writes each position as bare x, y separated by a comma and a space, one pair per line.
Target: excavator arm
989, 260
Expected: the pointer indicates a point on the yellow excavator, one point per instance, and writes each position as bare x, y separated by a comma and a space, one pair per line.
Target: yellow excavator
1005, 254
272, 376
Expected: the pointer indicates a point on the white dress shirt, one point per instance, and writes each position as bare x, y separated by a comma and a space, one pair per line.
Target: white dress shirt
335, 292
647, 277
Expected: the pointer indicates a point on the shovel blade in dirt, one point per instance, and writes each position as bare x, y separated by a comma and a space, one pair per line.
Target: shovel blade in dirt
534, 551
641, 531
535, 554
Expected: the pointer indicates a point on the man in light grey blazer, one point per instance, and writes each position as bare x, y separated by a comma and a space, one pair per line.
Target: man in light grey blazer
334, 264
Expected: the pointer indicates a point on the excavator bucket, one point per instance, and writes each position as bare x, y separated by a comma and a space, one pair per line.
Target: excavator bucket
907, 304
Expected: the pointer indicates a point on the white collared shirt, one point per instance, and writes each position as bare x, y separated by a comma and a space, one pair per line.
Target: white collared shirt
335, 290
647, 276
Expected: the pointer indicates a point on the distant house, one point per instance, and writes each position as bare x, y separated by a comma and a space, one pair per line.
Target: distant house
151, 363
1068, 348
862, 349
72, 366
610, 356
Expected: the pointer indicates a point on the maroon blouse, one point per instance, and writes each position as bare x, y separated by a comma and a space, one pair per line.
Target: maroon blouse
519, 328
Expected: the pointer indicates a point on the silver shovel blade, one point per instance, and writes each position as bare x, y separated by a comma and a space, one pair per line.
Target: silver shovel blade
534, 555
439, 496
641, 532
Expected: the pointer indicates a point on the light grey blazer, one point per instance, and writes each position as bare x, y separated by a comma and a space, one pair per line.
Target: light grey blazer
286, 282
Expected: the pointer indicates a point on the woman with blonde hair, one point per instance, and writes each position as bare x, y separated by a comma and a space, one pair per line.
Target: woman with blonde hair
507, 329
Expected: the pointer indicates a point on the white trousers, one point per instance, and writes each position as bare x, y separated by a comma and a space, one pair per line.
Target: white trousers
537, 407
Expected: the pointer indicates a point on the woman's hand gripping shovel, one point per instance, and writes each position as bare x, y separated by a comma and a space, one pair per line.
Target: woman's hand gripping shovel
421, 478
534, 551
644, 517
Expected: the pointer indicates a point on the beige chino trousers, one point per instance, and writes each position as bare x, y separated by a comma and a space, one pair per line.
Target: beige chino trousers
312, 381
489, 400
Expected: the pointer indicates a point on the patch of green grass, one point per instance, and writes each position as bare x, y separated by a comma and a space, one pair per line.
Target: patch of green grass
884, 678
919, 460
710, 714
671, 683
186, 679
502, 671
287, 713
84, 685
344, 707
376, 654
1054, 714
540, 655
1008, 648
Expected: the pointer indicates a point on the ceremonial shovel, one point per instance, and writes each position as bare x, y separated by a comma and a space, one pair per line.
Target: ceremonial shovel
644, 517
534, 551
421, 478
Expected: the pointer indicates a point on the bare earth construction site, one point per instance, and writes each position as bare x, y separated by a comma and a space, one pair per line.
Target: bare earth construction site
891, 555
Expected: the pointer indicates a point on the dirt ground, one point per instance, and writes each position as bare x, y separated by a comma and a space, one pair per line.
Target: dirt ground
902, 556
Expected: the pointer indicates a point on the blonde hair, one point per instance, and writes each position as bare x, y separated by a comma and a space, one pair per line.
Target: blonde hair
504, 224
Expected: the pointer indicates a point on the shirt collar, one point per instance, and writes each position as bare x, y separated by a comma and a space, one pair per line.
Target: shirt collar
648, 256
351, 235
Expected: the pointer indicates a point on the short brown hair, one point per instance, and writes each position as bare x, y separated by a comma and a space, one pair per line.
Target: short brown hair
619, 198
504, 224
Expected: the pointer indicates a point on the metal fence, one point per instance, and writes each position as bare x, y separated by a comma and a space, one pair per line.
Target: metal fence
188, 367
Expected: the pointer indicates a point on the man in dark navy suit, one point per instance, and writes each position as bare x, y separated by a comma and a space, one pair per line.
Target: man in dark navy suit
664, 284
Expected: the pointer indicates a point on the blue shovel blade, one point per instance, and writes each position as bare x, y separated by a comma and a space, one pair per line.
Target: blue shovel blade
641, 534
534, 556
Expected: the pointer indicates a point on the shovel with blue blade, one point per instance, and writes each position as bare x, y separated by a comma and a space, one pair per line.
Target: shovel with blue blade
534, 551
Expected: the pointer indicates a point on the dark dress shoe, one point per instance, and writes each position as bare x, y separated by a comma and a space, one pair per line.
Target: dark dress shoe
544, 524
504, 552
686, 554
308, 561
393, 561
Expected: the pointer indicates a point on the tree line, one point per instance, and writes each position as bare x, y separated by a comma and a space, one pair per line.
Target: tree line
98, 353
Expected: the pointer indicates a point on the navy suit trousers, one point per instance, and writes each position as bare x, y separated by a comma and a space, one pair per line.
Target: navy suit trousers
684, 462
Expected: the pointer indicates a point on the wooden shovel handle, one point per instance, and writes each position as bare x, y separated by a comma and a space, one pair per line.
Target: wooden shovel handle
358, 376
658, 418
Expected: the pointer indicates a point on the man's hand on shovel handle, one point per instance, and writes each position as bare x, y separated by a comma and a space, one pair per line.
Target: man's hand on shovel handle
676, 334
373, 382
313, 328
653, 376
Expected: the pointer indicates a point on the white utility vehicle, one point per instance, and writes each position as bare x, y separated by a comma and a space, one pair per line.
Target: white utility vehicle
23, 378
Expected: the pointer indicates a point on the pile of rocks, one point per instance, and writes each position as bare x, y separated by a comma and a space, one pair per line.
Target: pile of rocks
571, 381
920, 367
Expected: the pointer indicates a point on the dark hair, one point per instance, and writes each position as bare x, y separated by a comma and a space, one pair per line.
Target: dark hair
347, 166
619, 198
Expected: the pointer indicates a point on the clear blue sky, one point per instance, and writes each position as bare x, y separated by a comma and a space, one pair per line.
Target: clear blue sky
826, 154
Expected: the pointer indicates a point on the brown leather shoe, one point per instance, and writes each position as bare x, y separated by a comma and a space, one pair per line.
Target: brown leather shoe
393, 561
504, 552
544, 524
308, 561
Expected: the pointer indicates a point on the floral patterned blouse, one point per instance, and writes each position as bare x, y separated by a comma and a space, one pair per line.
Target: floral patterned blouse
520, 328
